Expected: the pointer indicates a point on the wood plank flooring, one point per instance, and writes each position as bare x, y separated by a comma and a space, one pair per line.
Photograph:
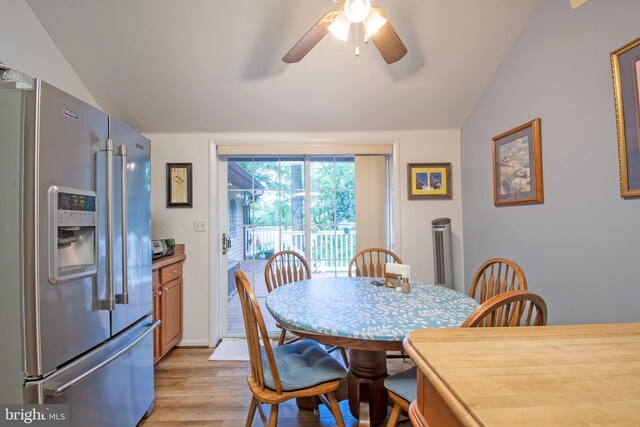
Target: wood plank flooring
192, 390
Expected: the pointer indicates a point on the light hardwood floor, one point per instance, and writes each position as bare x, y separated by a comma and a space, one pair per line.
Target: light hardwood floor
191, 390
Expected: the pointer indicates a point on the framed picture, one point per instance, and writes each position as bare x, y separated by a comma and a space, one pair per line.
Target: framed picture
625, 67
517, 166
429, 180
179, 193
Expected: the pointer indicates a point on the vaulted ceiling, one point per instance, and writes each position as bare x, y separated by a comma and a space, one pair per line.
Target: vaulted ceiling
215, 66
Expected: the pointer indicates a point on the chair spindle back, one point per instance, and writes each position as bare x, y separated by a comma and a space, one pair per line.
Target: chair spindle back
496, 276
511, 308
285, 267
370, 262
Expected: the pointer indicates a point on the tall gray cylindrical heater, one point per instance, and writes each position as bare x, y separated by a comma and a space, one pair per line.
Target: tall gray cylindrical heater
442, 252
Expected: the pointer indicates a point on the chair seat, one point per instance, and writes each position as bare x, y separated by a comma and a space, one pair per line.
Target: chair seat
403, 384
302, 365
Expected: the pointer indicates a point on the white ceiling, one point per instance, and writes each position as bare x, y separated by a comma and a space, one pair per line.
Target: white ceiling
215, 66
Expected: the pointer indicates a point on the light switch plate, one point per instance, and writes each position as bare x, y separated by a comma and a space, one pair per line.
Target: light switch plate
199, 225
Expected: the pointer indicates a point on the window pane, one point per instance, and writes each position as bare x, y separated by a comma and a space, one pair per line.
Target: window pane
292, 239
323, 241
322, 173
267, 174
249, 243
266, 239
345, 173
265, 208
345, 246
292, 208
292, 174
322, 207
322, 268
242, 166
346, 206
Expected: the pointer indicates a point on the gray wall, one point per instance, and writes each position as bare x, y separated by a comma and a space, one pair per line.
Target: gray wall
580, 250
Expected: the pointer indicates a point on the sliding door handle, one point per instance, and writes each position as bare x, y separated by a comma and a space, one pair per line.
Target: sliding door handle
225, 244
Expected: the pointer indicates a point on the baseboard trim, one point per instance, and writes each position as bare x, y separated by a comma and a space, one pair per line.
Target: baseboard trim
193, 343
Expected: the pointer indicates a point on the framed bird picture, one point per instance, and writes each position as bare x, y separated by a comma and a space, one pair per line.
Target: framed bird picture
179, 185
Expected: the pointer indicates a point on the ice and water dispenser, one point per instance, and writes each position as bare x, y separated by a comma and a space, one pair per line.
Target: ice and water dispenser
73, 223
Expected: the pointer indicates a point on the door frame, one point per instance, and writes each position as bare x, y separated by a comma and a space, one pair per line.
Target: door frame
215, 329
218, 212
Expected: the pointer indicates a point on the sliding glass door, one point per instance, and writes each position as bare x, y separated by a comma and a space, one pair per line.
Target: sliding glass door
304, 204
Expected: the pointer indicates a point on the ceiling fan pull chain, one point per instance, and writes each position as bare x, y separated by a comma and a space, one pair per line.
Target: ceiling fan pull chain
357, 41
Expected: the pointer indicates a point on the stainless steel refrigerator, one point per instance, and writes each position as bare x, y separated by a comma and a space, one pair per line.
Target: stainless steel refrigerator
75, 257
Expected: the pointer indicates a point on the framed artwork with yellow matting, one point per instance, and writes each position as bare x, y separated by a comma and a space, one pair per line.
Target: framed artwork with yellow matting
429, 180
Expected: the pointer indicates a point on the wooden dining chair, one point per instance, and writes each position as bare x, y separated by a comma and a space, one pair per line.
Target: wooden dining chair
370, 262
508, 309
282, 268
496, 276
512, 308
286, 267
277, 374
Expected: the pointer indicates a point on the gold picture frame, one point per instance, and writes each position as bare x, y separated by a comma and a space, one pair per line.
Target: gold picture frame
429, 180
179, 185
517, 166
625, 69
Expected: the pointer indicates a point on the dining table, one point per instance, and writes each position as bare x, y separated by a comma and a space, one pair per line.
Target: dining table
364, 316
558, 375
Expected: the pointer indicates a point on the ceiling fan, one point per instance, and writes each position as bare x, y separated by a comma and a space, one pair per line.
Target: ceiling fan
360, 12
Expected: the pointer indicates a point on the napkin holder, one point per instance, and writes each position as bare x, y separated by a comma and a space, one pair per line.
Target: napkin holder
392, 271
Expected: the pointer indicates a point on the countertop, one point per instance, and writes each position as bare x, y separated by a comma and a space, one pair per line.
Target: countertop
178, 255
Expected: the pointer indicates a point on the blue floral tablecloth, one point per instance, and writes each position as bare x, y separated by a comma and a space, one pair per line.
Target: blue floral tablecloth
356, 308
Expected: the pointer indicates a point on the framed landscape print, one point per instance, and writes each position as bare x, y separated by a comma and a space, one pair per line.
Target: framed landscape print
517, 166
429, 180
625, 67
179, 192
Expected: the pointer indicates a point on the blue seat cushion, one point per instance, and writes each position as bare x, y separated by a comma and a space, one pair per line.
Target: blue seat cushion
302, 364
403, 384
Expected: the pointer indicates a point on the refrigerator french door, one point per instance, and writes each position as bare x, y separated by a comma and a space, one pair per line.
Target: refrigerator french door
84, 270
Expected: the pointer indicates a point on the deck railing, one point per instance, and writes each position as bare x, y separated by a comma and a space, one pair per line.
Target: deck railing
329, 250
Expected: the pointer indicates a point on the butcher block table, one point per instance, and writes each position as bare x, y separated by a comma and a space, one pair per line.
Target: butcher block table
574, 375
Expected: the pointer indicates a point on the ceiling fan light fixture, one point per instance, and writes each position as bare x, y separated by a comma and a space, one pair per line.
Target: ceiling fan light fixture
357, 10
340, 27
374, 22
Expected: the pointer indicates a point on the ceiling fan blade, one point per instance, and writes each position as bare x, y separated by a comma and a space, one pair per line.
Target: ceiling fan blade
311, 38
388, 42
576, 3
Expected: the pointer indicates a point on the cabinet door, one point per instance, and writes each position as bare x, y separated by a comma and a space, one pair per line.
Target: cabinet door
171, 314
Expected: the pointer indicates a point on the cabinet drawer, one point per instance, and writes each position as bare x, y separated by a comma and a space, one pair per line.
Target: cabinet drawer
170, 272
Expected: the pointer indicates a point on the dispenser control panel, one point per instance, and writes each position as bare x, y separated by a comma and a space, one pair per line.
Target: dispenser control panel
76, 210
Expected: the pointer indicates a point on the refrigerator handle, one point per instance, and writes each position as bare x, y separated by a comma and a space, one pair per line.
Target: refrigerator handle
110, 302
123, 298
66, 386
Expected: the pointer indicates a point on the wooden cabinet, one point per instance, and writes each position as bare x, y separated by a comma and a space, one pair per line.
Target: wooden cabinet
167, 302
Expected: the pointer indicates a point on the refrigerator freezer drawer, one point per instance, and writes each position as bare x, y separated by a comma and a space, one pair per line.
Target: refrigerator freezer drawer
110, 386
